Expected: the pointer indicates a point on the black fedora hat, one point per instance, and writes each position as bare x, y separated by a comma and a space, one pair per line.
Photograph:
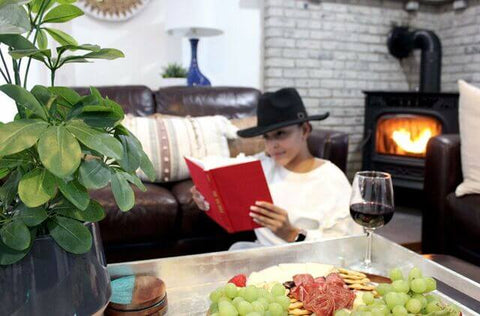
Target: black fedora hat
279, 109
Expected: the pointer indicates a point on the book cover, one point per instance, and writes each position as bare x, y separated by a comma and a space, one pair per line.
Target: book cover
231, 190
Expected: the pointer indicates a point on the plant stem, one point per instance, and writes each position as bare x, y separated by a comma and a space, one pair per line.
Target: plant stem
4, 77
52, 76
6, 68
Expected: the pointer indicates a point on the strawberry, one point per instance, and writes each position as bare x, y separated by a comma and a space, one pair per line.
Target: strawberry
239, 280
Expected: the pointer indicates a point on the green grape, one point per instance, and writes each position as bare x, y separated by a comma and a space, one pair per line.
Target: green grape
421, 298
224, 298
215, 314
432, 298
226, 308
241, 292
434, 306
367, 313
431, 284
278, 289
231, 290
275, 309
404, 297
399, 311
356, 313
270, 298
378, 301
251, 293
267, 313
244, 308
380, 310
384, 288
363, 308
414, 306
215, 296
393, 299
395, 274
213, 308
418, 285
254, 314
415, 273
400, 286
342, 312
264, 301
258, 307
237, 300
368, 298
283, 300
263, 292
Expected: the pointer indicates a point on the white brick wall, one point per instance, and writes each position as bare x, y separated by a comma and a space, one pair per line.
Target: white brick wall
332, 51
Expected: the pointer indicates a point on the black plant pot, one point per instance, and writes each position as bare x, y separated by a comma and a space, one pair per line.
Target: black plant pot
50, 281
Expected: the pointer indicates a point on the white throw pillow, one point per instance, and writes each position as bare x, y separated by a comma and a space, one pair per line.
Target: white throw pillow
469, 120
167, 139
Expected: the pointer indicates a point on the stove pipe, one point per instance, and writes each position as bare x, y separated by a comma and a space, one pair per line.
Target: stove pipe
401, 42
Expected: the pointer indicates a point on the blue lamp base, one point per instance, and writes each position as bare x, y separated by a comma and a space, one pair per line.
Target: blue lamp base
195, 77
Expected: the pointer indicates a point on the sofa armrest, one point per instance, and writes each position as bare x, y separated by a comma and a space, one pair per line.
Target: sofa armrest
331, 145
443, 173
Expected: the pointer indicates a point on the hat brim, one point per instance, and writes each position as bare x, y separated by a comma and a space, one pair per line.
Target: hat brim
260, 130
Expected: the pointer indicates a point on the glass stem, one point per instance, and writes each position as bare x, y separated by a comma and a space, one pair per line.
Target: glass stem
368, 253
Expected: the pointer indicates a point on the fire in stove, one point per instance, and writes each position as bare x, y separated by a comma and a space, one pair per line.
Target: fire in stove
405, 135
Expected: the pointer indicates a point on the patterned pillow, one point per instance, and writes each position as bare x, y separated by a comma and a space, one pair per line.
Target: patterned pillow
167, 139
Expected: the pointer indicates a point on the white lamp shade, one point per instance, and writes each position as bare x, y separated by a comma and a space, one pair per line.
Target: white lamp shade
192, 18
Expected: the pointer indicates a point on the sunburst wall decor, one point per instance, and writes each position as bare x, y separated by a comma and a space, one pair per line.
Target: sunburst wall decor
112, 10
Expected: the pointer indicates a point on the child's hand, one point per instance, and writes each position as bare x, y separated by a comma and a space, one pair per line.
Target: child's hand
199, 199
275, 218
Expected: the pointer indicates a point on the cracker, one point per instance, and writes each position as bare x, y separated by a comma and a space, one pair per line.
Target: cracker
361, 287
299, 312
293, 300
362, 281
351, 272
295, 305
351, 276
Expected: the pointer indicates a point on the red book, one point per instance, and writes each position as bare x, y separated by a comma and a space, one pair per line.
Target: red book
230, 191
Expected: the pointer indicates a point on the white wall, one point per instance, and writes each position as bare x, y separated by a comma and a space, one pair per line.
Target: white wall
233, 58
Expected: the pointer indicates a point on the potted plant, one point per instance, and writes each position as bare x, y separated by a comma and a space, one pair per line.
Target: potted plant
174, 75
59, 146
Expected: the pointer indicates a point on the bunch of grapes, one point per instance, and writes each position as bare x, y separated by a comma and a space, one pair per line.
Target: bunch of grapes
231, 300
403, 297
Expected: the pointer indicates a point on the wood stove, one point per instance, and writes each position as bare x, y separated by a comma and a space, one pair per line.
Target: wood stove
397, 128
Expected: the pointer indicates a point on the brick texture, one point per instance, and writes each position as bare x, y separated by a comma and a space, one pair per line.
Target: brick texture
333, 50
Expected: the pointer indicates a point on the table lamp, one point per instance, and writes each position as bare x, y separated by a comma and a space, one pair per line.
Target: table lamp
192, 19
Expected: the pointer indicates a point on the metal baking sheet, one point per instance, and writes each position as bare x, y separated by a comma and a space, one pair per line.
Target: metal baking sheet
190, 279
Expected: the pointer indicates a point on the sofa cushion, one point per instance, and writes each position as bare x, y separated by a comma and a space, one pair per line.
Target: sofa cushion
248, 146
153, 217
137, 100
231, 102
166, 140
469, 122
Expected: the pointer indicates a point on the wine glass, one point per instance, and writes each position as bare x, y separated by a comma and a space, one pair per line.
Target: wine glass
371, 205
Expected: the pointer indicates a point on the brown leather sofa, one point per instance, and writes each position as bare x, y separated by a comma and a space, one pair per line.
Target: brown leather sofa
450, 225
165, 221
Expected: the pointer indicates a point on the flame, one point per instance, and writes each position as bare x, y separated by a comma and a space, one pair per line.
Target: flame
405, 134
415, 145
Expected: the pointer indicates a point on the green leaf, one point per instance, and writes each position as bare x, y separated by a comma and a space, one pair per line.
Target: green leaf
73, 59
94, 174
62, 13
74, 192
32, 216
42, 40
93, 213
68, 95
90, 47
14, 19
36, 4
61, 37
9, 189
9, 256
19, 135
135, 180
105, 53
24, 98
32, 52
59, 151
4, 172
16, 41
70, 234
37, 187
131, 154
102, 142
147, 167
15, 160
42, 94
122, 192
16, 235
66, 1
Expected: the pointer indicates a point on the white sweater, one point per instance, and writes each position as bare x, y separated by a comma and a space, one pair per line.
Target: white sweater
316, 201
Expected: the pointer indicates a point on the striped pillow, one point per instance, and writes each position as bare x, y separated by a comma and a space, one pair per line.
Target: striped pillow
167, 139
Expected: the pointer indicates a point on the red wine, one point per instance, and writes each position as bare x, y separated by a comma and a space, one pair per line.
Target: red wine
371, 215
